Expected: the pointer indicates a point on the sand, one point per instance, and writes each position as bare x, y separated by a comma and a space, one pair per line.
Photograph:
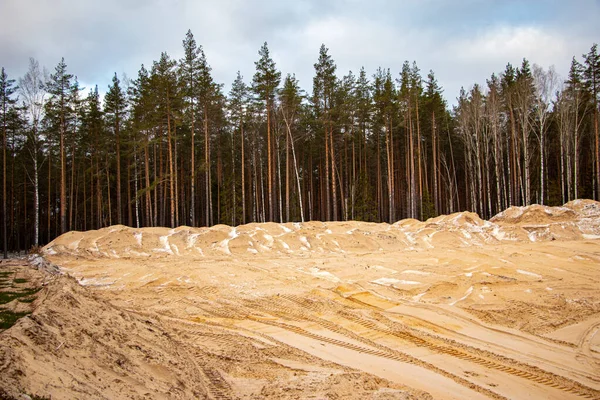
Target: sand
451, 308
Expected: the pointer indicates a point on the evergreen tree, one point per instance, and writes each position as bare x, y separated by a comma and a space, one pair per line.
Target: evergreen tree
239, 98
93, 133
208, 96
142, 108
59, 113
114, 110
591, 76
575, 89
265, 83
192, 69
166, 90
361, 188
291, 102
435, 111
324, 87
7, 102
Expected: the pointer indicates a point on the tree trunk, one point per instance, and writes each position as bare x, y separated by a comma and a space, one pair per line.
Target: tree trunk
63, 178
149, 218
170, 161
290, 140
435, 164
36, 197
207, 169
233, 180
118, 155
269, 164
4, 214
287, 175
193, 173
333, 183
597, 154
327, 215
243, 171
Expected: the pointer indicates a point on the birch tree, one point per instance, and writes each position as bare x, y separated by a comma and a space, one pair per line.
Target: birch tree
545, 85
33, 92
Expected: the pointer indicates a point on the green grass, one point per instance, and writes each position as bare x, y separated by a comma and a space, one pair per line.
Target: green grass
9, 318
7, 297
26, 295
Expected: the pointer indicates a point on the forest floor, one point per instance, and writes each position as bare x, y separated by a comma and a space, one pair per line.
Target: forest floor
452, 308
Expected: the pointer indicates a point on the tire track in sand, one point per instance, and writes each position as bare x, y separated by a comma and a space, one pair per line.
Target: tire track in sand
374, 348
465, 353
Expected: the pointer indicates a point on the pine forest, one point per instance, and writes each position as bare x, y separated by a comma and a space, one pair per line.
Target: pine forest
173, 147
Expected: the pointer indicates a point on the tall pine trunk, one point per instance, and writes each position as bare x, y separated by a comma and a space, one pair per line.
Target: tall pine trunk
269, 164
63, 177
118, 155
243, 171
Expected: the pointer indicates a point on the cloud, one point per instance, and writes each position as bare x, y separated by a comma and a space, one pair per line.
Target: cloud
462, 42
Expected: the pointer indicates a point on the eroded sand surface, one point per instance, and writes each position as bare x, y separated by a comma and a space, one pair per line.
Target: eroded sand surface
452, 308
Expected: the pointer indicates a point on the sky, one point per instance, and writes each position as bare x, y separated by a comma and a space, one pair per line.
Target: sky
463, 42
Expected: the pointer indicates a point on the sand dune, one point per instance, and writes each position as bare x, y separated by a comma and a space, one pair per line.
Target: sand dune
454, 307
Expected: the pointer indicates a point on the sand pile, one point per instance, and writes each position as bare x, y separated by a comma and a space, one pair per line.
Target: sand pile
76, 345
576, 220
454, 307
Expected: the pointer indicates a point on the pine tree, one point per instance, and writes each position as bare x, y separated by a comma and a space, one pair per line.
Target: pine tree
591, 75
208, 95
92, 128
265, 83
508, 95
142, 107
324, 87
59, 112
7, 102
238, 108
435, 109
525, 98
576, 97
114, 110
291, 103
360, 176
164, 81
190, 69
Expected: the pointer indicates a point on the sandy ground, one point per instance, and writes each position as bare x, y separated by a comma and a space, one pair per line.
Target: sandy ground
452, 308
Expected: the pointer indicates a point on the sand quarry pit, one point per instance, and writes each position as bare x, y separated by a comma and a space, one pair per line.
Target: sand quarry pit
452, 308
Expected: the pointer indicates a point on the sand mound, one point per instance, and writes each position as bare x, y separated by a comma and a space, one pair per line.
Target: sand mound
454, 307
75, 345
535, 214
575, 220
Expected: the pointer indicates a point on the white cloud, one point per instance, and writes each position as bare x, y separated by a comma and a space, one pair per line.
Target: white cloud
462, 42
473, 59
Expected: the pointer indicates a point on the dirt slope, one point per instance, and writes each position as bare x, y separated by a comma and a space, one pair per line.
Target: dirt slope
455, 307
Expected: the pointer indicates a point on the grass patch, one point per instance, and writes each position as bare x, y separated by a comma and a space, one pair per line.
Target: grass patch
9, 318
20, 280
7, 297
